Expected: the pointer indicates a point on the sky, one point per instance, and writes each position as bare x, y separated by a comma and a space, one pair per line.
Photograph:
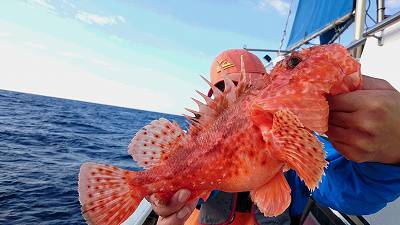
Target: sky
138, 54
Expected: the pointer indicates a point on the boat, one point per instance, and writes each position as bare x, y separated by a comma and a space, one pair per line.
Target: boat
368, 45
376, 48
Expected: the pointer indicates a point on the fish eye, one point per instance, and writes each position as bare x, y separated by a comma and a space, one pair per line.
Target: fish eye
293, 61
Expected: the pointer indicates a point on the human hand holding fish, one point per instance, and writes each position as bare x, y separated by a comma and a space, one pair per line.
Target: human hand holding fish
364, 125
244, 140
176, 211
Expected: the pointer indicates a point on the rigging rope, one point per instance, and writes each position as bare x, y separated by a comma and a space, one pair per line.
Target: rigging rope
284, 30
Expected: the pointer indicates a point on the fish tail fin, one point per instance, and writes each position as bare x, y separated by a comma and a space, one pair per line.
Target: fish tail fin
108, 194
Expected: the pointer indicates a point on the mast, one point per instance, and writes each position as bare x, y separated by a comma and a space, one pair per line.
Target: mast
380, 11
359, 25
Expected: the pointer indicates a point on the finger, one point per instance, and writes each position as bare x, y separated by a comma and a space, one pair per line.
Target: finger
349, 152
341, 119
348, 102
176, 202
180, 217
354, 120
353, 138
371, 83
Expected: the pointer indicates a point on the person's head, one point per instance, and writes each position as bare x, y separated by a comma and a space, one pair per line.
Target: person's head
228, 63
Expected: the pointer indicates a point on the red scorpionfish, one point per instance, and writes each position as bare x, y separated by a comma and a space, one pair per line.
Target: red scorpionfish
243, 139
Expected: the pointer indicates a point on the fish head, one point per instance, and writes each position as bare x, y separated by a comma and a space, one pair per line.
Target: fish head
331, 66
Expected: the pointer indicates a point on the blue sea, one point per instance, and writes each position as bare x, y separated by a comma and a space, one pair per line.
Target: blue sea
43, 142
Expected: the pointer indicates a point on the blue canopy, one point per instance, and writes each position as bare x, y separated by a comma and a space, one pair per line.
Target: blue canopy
314, 15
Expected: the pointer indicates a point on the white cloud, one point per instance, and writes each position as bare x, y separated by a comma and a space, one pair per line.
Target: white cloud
281, 6
122, 19
69, 54
393, 3
35, 45
5, 34
45, 75
43, 3
97, 61
91, 18
68, 3
116, 38
103, 63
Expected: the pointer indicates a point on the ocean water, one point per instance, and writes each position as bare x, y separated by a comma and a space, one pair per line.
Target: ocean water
43, 142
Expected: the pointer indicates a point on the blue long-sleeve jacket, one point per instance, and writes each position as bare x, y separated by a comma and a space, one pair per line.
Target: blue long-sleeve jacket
348, 187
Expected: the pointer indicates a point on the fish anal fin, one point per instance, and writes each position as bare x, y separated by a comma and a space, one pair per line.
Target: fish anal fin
296, 146
273, 198
155, 142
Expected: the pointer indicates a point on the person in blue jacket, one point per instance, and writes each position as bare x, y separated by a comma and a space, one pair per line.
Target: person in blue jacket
348, 187
364, 157
363, 153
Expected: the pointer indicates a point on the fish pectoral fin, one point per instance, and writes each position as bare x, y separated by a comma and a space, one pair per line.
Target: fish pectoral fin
311, 109
295, 145
155, 142
273, 198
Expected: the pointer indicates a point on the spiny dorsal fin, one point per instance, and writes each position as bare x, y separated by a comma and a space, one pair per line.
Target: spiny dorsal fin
210, 110
206, 98
203, 108
216, 91
243, 77
230, 90
244, 81
154, 142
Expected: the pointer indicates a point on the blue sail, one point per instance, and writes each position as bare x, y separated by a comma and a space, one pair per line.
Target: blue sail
314, 15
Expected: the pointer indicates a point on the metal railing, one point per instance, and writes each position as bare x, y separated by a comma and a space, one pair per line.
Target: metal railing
265, 50
376, 28
333, 24
368, 33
